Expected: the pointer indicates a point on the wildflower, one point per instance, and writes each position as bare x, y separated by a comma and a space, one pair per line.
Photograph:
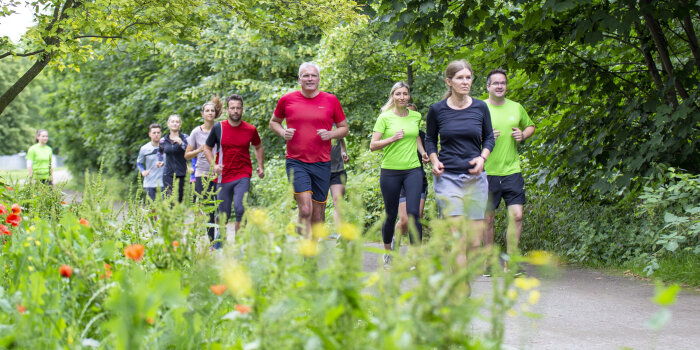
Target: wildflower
13, 219
291, 229
534, 297
108, 271
134, 252
237, 280
320, 231
3, 209
31, 228
539, 257
9, 188
84, 222
63, 203
37, 242
21, 308
258, 217
30, 268
66, 271
526, 283
308, 247
175, 245
242, 308
512, 294
4, 230
512, 313
218, 289
150, 320
16, 209
349, 231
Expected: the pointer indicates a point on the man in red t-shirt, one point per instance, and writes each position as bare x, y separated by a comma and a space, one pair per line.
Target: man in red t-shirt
233, 137
310, 114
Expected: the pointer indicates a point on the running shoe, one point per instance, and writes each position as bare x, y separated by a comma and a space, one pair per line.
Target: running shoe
387, 261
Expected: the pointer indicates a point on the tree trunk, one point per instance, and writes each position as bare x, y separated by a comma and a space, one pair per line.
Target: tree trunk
661, 46
409, 74
22, 82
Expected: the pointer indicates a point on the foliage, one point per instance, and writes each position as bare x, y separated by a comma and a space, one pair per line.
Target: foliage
72, 280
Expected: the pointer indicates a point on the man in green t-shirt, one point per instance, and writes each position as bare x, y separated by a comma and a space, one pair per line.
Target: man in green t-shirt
511, 125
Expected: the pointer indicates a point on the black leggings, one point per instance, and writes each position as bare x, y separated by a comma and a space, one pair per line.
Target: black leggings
209, 194
168, 184
391, 182
233, 193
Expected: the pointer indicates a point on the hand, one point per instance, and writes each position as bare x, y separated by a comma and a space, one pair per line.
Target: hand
218, 169
261, 172
178, 140
325, 134
289, 133
159, 164
496, 134
438, 168
478, 165
345, 157
145, 172
517, 134
398, 135
425, 157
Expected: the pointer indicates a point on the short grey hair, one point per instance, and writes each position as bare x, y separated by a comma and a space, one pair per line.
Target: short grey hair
309, 64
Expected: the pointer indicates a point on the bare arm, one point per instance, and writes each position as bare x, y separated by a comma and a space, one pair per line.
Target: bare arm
421, 150
377, 143
190, 152
210, 158
343, 150
260, 157
276, 126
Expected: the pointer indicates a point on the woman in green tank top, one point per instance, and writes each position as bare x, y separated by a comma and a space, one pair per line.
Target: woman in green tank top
39, 158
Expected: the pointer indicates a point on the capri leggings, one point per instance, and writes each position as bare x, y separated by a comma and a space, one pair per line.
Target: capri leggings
208, 195
233, 191
391, 182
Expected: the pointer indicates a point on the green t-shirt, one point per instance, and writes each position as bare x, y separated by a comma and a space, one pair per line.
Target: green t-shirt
41, 161
399, 155
504, 160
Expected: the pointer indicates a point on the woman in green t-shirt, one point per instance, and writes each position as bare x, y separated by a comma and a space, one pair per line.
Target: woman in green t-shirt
39, 158
396, 131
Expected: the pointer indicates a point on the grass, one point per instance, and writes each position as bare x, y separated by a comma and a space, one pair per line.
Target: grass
682, 268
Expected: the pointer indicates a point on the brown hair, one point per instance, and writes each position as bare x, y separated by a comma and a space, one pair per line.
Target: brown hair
38, 132
216, 102
234, 97
452, 69
154, 126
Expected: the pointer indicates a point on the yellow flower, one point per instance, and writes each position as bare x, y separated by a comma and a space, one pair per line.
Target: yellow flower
237, 280
373, 278
526, 283
30, 268
32, 228
349, 231
534, 297
291, 229
512, 313
258, 217
540, 257
308, 247
30, 258
512, 294
37, 242
26, 244
320, 231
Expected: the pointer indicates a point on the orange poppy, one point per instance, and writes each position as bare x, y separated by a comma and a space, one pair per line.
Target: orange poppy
4, 230
13, 219
134, 252
242, 308
64, 203
84, 222
66, 271
176, 244
21, 309
9, 188
218, 289
16, 209
108, 271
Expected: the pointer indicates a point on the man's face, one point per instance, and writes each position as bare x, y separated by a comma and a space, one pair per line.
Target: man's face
154, 134
498, 86
309, 79
234, 110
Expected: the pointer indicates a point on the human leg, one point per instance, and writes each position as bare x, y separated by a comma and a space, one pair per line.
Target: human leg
337, 192
390, 186
412, 183
515, 227
240, 188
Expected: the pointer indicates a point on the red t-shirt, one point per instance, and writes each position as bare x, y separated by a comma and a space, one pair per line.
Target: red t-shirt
234, 149
307, 115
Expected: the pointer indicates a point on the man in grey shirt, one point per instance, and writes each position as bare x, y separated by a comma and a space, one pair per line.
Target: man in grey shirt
147, 162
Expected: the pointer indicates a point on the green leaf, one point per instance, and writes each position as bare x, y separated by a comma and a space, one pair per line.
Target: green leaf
333, 314
659, 319
666, 296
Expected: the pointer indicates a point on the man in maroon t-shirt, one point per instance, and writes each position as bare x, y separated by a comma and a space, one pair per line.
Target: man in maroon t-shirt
310, 114
234, 137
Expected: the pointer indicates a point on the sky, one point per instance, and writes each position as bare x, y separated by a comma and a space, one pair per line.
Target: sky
16, 24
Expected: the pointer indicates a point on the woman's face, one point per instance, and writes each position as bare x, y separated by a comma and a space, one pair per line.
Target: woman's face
401, 96
209, 113
174, 124
43, 137
461, 83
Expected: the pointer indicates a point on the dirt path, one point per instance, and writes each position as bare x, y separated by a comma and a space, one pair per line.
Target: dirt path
590, 309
